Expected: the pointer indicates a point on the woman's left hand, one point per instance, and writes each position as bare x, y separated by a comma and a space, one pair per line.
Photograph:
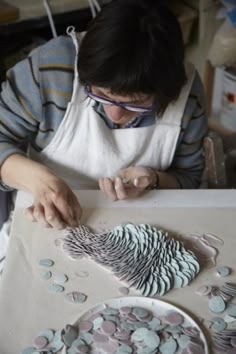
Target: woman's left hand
129, 183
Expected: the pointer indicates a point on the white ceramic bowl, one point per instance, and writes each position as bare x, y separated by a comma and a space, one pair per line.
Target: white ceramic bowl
156, 306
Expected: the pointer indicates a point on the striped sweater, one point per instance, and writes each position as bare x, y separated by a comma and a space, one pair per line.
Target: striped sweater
36, 93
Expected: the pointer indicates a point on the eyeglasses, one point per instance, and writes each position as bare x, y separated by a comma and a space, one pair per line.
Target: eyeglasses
107, 101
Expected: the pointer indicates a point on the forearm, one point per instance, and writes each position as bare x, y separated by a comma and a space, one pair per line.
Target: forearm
167, 181
188, 179
175, 179
19, 172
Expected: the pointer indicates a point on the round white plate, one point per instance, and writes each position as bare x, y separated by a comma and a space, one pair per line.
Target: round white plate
157, 307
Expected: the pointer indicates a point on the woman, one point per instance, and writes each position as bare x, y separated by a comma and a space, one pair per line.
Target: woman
128, 116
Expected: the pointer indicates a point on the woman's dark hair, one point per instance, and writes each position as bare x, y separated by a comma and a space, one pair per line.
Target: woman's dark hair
134, 46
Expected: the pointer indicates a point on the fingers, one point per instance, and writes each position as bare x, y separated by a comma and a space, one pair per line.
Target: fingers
107, 186
77, 210
48, 216
113, 189
51, 216
139, 177
36, 215
28, 212
55, 204
65, 207
42, 217
119, 186
123, 188
142, 182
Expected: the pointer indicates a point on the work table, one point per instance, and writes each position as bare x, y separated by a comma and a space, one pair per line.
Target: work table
26, 306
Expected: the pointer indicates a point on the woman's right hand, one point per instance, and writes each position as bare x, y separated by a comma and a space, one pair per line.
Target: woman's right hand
55, 205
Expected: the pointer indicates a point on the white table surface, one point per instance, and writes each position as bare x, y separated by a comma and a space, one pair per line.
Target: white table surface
26, 306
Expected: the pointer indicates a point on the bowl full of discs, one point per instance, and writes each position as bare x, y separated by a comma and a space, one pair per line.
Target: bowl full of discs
134, 324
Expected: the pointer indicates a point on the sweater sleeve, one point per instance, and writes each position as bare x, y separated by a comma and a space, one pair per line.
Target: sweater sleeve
188, 164
20, 107
34, 98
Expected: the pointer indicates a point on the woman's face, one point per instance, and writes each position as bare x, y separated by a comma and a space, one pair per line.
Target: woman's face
121, 115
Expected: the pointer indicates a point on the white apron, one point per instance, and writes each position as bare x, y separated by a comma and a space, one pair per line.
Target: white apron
84, 149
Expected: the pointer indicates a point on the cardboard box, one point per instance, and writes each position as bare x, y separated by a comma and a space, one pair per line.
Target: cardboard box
186, 16
8, 12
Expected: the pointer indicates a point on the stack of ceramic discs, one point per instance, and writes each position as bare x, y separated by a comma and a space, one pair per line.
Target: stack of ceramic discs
220, 302
146, 258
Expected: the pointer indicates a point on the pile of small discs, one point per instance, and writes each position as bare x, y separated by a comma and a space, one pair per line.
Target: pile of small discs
220, 303
127, 330
143, 256
59, 281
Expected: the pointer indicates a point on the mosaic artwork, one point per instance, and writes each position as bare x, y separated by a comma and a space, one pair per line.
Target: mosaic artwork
144, 257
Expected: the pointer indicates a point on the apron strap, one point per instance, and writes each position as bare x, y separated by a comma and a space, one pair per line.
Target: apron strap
71, 32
